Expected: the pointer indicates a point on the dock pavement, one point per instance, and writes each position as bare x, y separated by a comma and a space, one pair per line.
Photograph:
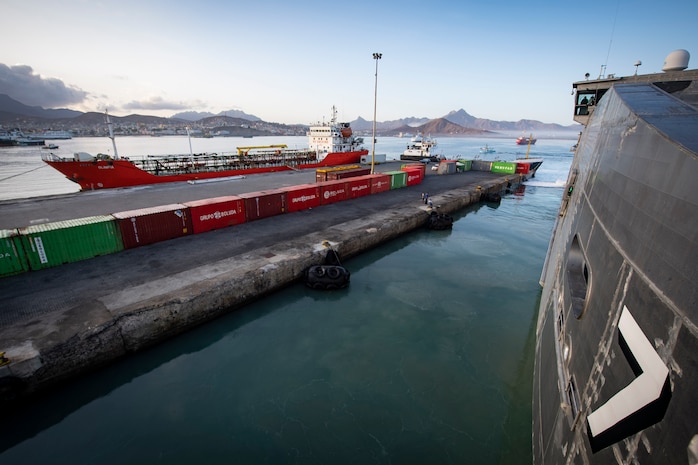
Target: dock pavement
60, 322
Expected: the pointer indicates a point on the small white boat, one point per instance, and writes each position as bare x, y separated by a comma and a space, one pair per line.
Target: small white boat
487, 149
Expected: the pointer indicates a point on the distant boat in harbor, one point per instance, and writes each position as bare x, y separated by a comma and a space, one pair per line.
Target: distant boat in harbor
487, 149
63, 135
17, 138
523, 140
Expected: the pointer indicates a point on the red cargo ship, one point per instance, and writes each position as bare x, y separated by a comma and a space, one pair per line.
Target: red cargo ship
331, 144
523, 140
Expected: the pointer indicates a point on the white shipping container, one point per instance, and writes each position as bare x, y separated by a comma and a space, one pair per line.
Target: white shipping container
377, 159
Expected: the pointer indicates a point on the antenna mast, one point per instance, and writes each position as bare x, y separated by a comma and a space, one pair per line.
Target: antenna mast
111, 134
610, 43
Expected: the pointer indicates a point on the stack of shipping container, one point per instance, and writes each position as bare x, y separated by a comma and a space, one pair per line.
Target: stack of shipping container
52, 244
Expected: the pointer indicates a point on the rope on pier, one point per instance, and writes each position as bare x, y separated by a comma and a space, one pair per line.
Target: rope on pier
20, 174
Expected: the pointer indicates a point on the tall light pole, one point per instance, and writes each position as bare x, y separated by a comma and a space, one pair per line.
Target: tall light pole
376, 56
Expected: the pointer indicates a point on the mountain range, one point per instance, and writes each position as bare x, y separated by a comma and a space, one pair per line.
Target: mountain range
14, 113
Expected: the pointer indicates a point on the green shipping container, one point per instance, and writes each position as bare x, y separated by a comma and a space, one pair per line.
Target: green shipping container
398, 179
465, 165
12, 257
503, 167
52, 244
481, 165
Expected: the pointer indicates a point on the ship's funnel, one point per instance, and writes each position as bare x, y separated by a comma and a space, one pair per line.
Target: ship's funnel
676, 61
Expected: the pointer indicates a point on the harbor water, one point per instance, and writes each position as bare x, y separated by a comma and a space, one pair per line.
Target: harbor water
427, 356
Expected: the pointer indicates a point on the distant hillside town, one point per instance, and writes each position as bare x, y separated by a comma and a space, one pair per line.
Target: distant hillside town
33, 119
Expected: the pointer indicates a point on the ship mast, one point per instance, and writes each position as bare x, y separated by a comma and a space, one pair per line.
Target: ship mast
111, 135
191, 152
333, 121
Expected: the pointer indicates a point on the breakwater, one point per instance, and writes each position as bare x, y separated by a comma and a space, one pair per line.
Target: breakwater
100, 329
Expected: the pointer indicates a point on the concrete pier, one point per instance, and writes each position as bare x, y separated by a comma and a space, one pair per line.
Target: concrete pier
61, 322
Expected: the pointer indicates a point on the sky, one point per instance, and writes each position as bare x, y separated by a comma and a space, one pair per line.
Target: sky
292, 61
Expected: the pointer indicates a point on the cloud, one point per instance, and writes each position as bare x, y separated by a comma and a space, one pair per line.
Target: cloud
22, 84
158, 103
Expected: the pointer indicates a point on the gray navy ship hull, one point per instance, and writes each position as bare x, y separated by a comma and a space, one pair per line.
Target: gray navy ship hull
616, 367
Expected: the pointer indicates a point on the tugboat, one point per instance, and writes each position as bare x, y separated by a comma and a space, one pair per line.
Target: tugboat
419, 149
616, 356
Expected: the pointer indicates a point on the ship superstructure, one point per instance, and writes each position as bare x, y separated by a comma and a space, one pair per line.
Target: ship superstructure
334, 137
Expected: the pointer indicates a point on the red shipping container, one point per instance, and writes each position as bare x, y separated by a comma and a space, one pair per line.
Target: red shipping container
330, 174
264, 204
154, 224
359, 186
321, 175
415, 166
522, 168
379, 183
216, 213
333, 191
414, 176
344, 174
302, 197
